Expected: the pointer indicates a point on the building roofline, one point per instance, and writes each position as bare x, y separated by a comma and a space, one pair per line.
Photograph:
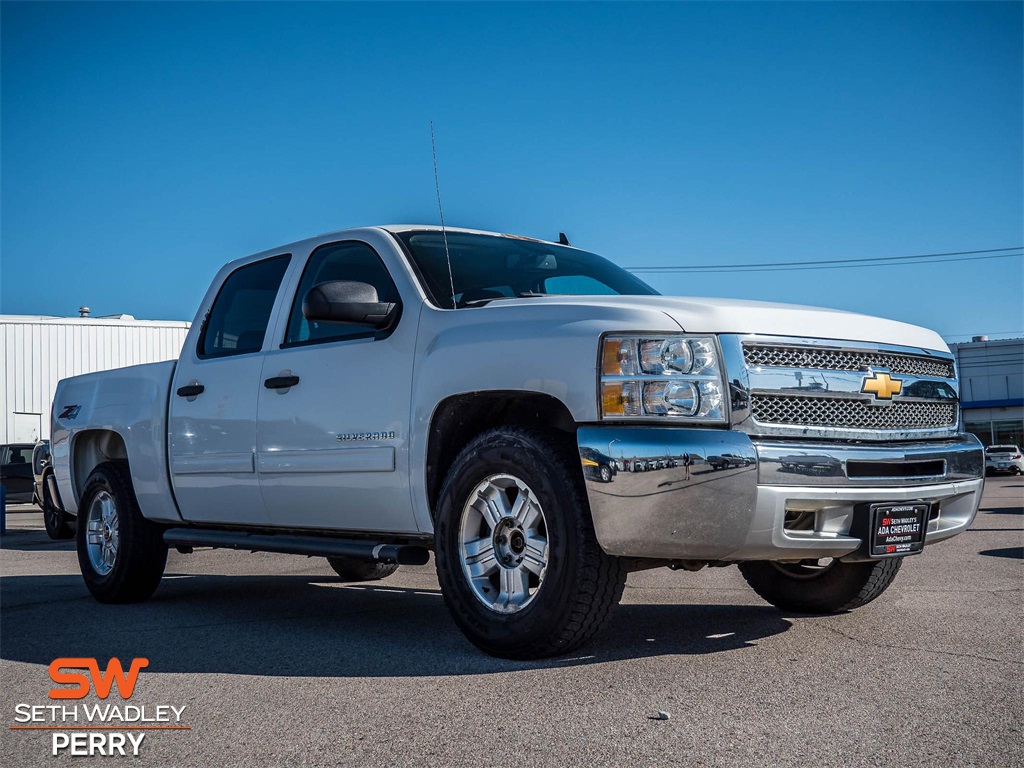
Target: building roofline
101, 321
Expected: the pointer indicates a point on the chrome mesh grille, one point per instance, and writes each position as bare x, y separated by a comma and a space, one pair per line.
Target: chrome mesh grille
845, 360
851, 413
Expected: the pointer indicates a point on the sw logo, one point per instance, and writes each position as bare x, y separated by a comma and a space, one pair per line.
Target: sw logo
96, 739
100, 728
101, 681
882, 386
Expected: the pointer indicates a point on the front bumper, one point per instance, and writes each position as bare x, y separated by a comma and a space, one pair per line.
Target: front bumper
712, 495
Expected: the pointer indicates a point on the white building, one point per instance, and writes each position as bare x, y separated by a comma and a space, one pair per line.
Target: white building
37, 352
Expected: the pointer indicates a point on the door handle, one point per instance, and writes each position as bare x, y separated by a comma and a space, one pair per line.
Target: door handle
191, 390
281, 382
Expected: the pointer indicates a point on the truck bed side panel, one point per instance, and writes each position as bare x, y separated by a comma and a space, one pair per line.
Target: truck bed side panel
131, 402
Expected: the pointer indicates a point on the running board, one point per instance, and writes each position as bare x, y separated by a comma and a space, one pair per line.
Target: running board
287, 544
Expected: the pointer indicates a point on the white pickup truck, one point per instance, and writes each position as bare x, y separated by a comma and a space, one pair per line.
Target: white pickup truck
536, 416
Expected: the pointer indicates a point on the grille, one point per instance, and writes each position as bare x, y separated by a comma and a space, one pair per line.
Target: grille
851, 413
846, 360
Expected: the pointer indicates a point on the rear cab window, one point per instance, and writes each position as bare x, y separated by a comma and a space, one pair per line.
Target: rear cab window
19, 454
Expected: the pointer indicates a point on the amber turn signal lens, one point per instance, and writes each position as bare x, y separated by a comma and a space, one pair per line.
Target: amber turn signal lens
612, 401
611, 357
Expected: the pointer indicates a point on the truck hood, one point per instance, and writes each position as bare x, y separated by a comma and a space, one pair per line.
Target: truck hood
707, 315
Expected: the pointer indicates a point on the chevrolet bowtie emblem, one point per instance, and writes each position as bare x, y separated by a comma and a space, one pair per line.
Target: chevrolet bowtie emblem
882, 386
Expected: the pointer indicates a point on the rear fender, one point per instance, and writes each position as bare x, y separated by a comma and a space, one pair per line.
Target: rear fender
119, 414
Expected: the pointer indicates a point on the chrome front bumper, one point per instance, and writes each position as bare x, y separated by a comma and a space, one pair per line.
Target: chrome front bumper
734, 499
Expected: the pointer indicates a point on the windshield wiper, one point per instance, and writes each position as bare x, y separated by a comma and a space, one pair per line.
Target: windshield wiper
523, 295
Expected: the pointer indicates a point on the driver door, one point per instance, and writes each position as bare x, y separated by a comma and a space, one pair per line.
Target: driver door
334, 408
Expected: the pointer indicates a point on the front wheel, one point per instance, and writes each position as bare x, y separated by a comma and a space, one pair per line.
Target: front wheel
121, 553
820, 586
57, 521
520, 567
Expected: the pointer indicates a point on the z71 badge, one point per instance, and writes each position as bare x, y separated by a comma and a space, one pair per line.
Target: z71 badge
70, 412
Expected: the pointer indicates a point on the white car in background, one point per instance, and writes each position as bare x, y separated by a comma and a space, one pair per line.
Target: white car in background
1004, 458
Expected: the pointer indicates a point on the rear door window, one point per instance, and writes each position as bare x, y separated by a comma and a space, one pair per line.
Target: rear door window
237, 323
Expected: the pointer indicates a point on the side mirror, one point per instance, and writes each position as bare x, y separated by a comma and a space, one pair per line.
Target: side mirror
342, 301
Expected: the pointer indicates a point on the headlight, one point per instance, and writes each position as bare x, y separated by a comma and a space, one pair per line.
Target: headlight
660, 376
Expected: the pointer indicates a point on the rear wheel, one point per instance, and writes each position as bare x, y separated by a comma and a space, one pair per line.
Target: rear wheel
519, 564
121, 553
57, 521
820, 586
361, 570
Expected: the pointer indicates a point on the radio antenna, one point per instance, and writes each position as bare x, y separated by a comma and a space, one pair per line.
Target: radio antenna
444, 233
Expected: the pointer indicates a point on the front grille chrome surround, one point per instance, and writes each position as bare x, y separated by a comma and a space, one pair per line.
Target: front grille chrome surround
786, 386
854, 413
846, 360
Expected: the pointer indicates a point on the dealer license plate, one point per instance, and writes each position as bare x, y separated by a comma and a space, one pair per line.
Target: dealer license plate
898, 529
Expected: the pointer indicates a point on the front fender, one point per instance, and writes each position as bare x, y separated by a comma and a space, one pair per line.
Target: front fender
551, 349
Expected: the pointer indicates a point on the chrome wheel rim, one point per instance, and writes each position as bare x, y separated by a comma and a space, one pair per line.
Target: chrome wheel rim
103, 533
806, 569
503, 544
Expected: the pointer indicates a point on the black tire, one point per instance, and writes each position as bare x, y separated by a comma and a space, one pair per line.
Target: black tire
837, 588
361, 570
141, 553
581, 586
58, 522
606, 474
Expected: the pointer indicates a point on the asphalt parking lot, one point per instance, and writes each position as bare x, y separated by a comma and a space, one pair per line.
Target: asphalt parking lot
279, 663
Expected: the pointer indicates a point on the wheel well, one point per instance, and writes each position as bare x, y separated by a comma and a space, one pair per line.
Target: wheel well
90, 449
460, 418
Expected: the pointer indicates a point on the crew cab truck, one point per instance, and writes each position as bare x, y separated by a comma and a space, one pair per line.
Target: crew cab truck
375, 394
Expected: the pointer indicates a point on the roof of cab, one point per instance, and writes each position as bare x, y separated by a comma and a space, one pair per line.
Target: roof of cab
325, 237
395, 228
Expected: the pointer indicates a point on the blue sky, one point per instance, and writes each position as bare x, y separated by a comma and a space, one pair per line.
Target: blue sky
143, 145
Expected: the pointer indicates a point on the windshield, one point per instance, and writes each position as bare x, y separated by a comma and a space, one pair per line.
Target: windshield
1004, 449
489, 267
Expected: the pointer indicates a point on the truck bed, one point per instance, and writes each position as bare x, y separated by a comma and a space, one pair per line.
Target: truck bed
130, 403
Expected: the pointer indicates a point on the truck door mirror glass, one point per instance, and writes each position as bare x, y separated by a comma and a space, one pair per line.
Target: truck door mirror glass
344, 301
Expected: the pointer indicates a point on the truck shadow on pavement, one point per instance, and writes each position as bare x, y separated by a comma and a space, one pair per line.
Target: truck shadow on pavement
311, 626
1004, 511
1013, 553
19, 541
